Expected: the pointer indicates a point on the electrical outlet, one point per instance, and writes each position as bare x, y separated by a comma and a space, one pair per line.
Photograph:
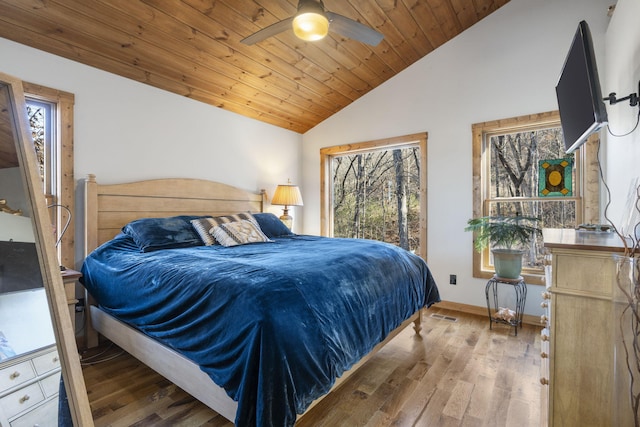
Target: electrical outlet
452, 279
80, 305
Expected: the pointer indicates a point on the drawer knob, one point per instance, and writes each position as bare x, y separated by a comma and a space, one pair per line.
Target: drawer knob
55, 359
544, 355
544, 304
15, 375
543, 319
544, 337
24, 398
544, 381
546, 295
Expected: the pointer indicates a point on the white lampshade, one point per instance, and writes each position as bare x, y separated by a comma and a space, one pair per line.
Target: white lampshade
287, 195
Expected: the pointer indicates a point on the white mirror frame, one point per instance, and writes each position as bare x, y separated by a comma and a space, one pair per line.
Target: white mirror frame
49, 265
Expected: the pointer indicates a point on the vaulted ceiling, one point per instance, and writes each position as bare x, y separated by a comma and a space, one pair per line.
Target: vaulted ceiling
192, 48
8, 154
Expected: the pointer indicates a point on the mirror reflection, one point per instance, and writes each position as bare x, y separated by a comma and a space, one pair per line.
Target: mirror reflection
30, 365
25, 322
28, 354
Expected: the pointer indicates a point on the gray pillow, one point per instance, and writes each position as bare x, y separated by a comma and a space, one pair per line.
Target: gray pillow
271, 225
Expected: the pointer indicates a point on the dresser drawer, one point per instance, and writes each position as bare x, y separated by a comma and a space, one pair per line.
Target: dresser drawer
45, 415
15, 375
46, 362
51, 384
587, 273
21, 400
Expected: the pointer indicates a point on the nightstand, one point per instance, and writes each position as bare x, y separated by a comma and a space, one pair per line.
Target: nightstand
69, 278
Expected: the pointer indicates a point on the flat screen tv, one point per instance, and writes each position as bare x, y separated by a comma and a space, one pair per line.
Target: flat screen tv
582, 109
19, 267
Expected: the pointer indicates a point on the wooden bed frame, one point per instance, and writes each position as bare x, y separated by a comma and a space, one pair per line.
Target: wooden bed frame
108, 208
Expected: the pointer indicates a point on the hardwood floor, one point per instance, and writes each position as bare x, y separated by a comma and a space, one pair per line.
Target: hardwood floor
457, 373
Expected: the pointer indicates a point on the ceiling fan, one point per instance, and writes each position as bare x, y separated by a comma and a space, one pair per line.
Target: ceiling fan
312, 22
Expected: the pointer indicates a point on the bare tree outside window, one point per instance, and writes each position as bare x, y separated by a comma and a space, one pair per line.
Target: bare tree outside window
377, 190
377, 196
37, 114
514, 178
510, 157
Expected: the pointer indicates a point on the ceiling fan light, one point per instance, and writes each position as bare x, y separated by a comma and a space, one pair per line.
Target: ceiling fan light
310, 26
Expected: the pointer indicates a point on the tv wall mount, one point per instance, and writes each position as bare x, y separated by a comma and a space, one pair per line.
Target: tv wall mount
633, 98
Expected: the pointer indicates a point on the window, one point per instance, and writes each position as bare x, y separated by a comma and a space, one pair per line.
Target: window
50, 114
520, 168
376, 190
42, 121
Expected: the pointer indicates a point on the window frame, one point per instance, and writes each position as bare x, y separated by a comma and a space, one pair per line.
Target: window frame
586, 190
326, 185
63, 190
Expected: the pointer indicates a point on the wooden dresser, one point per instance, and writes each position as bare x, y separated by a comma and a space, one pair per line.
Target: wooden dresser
29, 386
579, 370
30, 380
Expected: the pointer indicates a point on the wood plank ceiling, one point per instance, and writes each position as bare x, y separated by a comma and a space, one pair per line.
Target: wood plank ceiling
192, 48
8, 154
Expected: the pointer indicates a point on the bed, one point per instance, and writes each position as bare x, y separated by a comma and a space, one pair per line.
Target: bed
259, 332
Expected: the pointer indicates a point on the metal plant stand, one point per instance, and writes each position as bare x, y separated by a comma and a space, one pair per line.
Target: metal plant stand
520, 288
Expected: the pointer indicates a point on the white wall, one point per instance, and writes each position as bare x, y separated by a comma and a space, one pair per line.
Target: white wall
125, 130
12, 190
25, 321
622, 74
13, 227
16, 227
507, 65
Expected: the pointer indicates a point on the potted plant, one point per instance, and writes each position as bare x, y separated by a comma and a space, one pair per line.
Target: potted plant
507, 236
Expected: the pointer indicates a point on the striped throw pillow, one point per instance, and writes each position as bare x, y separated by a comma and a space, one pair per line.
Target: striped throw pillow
204, 225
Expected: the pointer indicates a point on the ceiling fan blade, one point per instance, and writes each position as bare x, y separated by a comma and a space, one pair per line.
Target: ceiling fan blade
269, 31
353, 29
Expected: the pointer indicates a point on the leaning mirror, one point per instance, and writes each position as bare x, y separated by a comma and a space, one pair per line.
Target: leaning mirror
37, 340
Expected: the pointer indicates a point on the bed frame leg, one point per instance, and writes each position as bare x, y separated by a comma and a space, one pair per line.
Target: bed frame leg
417, 324
91, 338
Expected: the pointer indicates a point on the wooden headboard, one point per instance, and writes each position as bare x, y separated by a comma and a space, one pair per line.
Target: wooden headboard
108, 208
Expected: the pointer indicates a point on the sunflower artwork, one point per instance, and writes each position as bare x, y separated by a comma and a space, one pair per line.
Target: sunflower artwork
555, 177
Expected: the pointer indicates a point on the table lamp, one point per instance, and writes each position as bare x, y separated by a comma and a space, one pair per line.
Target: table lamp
287, 195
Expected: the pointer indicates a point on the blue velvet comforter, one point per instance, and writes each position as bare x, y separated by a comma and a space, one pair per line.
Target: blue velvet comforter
274, 324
